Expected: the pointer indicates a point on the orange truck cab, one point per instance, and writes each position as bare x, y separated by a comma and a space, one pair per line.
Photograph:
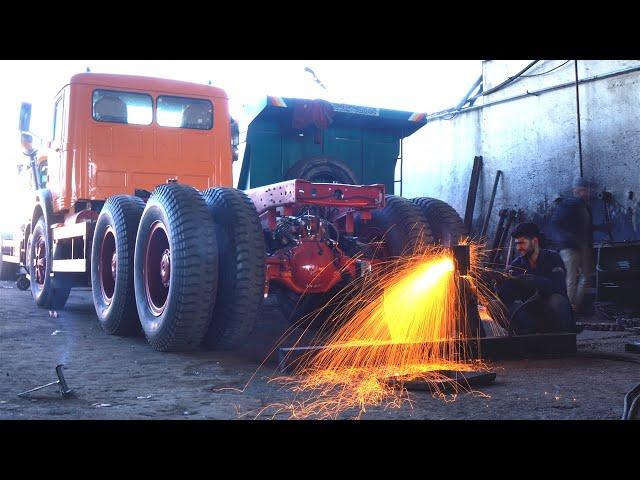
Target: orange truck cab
115, 134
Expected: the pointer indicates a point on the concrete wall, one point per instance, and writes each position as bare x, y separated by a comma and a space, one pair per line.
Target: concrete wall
533, 140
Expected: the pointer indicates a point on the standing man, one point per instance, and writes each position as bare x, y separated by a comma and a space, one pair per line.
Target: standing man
534, 290
572, 225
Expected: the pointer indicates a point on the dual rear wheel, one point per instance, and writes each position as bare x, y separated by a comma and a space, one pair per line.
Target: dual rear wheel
186, 267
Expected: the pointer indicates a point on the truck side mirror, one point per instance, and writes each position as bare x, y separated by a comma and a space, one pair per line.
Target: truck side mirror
27, 142
25, 117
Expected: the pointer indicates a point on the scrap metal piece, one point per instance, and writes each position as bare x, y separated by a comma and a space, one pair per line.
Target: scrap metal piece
451, 380
462, 258
65, 391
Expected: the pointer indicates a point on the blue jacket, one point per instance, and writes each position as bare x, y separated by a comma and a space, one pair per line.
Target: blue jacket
549, 276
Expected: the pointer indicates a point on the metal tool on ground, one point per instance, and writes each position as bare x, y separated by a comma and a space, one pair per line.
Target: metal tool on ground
487, 217
473, 190
65, 391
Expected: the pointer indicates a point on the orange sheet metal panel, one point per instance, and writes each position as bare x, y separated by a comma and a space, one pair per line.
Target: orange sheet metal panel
101, 159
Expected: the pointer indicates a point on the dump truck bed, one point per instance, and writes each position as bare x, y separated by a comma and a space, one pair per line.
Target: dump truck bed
367, 139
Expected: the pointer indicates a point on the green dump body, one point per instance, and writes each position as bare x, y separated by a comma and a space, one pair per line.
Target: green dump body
366, 139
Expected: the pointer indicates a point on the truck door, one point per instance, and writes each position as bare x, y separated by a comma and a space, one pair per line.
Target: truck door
56, 166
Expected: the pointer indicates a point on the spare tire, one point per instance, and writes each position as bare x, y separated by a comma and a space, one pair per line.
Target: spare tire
446, 225
241, 266
175, 268
112, 253
323, 169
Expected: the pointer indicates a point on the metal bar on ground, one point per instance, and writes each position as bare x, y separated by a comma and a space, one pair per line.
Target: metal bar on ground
487, 348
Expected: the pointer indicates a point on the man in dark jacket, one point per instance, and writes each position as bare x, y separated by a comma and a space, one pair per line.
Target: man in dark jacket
572, 225
534, 289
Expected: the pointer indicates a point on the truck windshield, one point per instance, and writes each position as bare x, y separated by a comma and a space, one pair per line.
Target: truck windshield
183, 112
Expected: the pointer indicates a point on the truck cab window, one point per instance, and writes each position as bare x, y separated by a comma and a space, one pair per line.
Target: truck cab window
182, 112
122, 107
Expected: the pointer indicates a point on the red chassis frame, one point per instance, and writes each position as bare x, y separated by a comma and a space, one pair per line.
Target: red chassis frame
312, 266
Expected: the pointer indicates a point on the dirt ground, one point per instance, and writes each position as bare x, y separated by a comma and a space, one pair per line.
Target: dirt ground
123, 378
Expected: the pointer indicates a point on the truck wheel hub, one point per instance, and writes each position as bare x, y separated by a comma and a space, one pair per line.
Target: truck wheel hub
108, 266
165, 268
114, 265
40, 261
157, 268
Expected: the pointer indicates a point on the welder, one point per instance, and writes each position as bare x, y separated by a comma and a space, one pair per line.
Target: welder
533, 290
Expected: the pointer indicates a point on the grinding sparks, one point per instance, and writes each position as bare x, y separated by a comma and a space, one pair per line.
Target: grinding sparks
413, 298
404, 325
396, 326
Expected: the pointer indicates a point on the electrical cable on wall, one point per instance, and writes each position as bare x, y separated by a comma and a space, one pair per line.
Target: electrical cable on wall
548, 71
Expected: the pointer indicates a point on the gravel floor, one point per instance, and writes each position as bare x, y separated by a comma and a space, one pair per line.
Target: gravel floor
123, 378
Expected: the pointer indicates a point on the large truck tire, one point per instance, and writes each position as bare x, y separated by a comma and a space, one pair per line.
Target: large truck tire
39, 253
446, 225
8, 270
112, 254
175, 268
400, 227
241, 267
323, 169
